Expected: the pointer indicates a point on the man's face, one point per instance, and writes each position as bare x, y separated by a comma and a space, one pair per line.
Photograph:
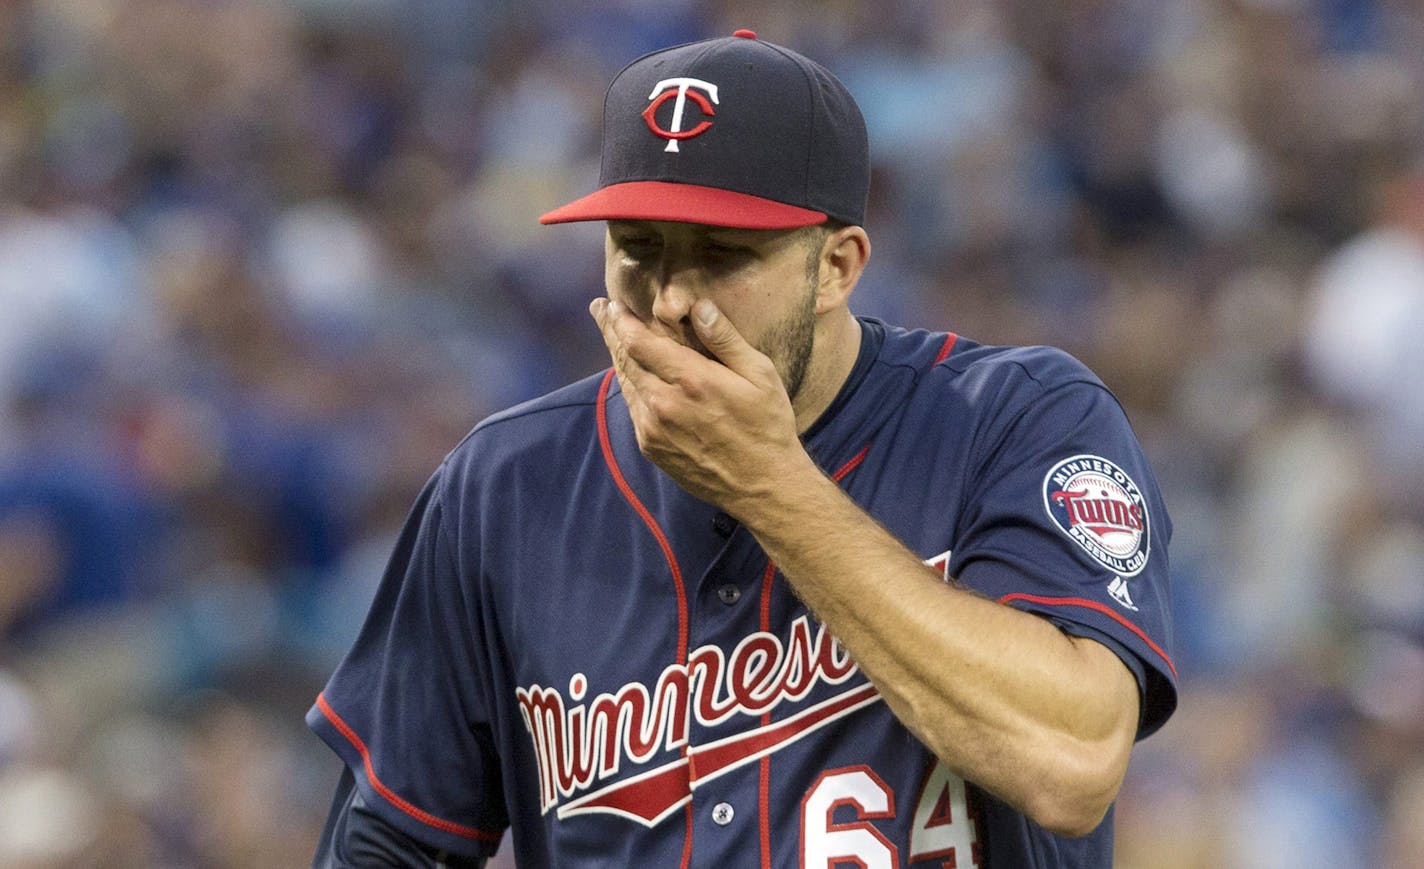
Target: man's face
764, 281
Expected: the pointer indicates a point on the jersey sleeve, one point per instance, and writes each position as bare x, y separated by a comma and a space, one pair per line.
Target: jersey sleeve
408, 708
1065, 520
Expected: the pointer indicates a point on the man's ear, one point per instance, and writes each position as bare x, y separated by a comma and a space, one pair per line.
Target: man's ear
844, 254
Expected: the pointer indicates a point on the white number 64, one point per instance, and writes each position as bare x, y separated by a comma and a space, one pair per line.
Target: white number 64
942, 827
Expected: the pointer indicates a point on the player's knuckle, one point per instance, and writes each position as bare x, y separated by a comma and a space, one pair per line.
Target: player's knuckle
694, 386
645, 418
633, 345
763, 368
661, 410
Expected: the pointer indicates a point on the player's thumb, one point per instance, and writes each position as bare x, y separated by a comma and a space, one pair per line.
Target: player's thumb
719, 336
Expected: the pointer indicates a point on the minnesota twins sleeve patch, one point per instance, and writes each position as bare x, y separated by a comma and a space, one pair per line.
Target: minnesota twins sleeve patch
1100, 508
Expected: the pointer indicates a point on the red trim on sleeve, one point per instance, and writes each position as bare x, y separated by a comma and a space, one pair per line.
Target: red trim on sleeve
1096, 606
631, 497
391, 796
945, 350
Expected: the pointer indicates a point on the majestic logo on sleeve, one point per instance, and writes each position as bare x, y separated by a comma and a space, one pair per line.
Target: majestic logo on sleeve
679, 91
1098, 505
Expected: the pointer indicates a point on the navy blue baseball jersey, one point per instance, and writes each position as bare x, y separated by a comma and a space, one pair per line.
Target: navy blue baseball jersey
569, 647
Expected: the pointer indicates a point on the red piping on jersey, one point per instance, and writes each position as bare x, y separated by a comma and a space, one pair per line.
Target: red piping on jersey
948, 346
1098, 607
852, 464
766, 596
632, 498
687, 839
605, 443
391, 796
764, 773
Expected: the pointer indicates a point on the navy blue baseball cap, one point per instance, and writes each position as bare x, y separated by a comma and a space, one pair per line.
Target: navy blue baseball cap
734, 131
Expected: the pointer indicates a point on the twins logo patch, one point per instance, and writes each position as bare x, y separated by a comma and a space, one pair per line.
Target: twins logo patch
1098, 505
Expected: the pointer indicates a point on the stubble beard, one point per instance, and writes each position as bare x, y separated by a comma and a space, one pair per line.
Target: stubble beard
789, 343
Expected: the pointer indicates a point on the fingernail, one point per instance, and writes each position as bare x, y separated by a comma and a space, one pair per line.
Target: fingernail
596, 307
616, 308
705, 312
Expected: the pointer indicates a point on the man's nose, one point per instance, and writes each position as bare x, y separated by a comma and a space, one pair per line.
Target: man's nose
675, 291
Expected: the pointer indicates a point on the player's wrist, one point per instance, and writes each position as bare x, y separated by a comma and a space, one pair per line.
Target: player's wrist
783, 496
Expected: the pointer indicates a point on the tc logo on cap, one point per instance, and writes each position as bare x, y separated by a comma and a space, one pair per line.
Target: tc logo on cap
680, 90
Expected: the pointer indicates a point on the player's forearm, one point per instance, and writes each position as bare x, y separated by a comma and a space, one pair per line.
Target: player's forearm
1043, 720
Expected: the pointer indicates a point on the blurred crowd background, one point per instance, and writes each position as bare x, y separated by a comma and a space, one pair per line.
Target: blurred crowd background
263, 263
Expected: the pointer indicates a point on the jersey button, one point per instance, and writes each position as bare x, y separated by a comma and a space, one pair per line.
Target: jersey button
729, 593
722, 814
724, 525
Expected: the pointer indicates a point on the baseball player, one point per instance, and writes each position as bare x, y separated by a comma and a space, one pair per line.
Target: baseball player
784, 587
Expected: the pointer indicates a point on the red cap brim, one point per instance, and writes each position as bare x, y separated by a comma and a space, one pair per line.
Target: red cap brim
683, 203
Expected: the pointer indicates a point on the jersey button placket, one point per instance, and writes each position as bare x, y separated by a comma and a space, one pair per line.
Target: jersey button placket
724, 525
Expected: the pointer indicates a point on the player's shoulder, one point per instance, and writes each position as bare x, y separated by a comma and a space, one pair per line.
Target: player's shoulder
543, 427
1038, 366
985, 390
961, 364
549, 409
